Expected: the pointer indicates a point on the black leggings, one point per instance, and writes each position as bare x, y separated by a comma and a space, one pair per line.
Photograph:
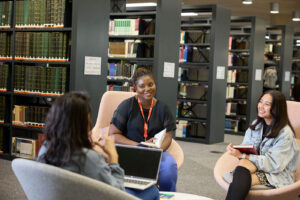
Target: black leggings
240, 185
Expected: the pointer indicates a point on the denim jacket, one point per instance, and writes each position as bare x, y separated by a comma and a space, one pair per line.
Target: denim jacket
278, 157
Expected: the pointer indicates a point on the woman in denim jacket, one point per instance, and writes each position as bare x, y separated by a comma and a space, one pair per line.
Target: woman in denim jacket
273, 138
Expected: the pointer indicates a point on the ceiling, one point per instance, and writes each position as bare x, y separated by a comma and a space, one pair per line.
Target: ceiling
259, 8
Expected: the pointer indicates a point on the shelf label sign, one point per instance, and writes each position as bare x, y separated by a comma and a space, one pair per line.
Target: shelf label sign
169, 70
287, 75
92, 65
258, 74
220, 72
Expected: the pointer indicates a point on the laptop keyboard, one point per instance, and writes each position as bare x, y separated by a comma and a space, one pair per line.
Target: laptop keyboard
136, 181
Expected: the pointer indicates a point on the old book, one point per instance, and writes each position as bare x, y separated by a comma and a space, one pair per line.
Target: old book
246, 148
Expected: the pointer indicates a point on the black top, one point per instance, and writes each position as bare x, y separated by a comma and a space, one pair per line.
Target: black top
128, 119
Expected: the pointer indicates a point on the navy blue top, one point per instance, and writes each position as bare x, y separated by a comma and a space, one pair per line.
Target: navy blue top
128, 119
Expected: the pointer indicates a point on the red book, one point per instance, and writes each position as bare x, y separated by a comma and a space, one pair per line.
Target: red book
246, 148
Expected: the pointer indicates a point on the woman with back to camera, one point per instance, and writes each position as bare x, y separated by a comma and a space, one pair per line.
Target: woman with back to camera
273, 138
140, 117
68, 145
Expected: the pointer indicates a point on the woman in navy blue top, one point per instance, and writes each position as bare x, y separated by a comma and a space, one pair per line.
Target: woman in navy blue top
140, 117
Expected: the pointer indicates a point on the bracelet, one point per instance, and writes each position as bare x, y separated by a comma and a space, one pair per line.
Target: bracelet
243, 156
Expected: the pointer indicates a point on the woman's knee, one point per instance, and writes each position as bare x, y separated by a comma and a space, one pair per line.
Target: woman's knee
248, 165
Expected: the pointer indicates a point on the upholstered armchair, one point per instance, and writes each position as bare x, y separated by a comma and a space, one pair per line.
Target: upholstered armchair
227, 163
109, 103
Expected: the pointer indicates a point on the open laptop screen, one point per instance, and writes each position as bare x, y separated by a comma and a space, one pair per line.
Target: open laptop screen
139, 161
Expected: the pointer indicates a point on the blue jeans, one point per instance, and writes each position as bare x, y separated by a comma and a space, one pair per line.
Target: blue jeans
150, 193
167, 178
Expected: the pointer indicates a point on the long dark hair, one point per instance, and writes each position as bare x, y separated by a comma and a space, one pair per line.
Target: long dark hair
278, 111
67, 127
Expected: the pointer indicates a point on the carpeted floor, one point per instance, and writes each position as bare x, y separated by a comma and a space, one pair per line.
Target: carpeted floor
195, 176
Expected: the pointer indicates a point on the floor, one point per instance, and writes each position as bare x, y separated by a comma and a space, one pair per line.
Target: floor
195, 176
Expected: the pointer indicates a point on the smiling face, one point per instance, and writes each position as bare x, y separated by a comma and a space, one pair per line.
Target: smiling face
145, 88
264, 108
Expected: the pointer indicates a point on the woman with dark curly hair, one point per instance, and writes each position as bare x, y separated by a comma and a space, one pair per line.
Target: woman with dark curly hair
68, 145
140, 117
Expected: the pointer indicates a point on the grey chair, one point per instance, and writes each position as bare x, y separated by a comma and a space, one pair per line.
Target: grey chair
47, 182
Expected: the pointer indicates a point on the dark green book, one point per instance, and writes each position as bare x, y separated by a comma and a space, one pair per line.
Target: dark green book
63, 79
43, 79
26, 12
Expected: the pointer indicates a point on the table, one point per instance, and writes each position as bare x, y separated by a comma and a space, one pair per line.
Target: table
185, 196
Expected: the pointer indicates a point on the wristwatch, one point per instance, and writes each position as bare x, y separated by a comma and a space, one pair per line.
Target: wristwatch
243, 156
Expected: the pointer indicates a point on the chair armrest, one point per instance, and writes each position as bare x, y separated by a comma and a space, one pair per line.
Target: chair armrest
224, 164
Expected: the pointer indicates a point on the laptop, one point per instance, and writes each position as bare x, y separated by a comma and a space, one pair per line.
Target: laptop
140, 164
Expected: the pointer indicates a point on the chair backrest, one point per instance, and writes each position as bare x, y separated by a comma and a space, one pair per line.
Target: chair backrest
42, 181
293, 109
109, 103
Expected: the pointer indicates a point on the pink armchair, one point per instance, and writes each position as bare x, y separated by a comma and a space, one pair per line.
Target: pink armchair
109, 102
227, 163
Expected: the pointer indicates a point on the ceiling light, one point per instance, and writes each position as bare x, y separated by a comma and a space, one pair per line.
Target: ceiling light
189, 14
297, 41
296, 16
267, 37
130, 5
274, 8
247, 2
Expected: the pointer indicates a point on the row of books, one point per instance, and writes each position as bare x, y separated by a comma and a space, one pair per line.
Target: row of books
193, 74
239, 76
189, 53
3, 76
2, 109
188, 129
26, 148
112, 87
5, 44
240, 59
232, 108
239, 92
40, 13
131, 26
270, 47
1, 140
192, 110
239, 43
122, 69
52, 46
5, 13
132, 49
195, 36
31, 116
193, 91
235, 125
40, 80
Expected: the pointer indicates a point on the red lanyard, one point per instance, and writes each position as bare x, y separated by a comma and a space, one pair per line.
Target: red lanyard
145, 122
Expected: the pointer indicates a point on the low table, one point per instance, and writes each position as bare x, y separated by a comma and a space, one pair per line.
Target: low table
185, 196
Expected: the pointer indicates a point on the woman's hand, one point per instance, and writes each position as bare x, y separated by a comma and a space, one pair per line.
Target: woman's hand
151, 140
110, 148
232, 151
97, 146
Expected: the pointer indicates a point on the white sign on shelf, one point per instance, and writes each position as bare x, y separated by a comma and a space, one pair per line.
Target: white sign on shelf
169, 70
92, 65
220, 72
258, 74
287, 75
